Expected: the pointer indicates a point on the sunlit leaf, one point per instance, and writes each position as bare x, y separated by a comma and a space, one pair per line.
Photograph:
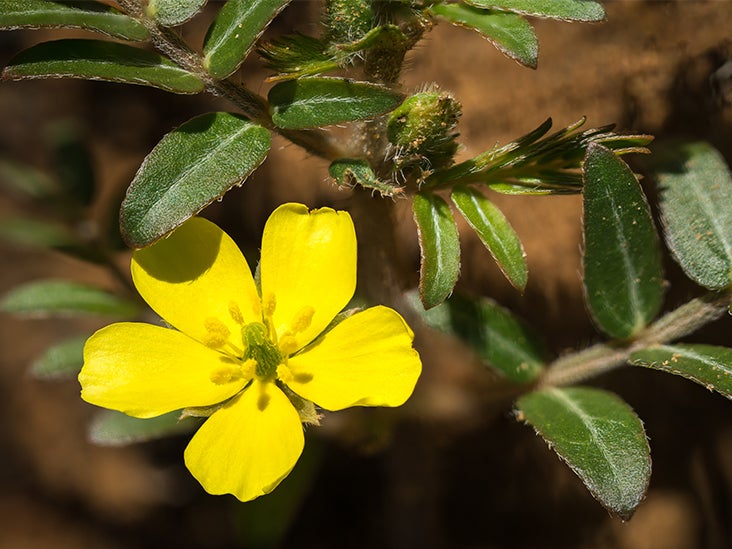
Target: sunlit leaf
599, 437
696, 207
234, 32
43, 298
62, 360
508, 32
622, 261
568, 10
33, 14
170, 13
440, 248
313, 102
112, 428
100, 60
708, 365
192, 166
494, 231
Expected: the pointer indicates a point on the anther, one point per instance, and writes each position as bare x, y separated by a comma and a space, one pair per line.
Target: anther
269, 303
302, 320
235, 313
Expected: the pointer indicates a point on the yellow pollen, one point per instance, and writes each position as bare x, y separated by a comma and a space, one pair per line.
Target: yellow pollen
302, 320
284, 374
288, 344
248, 368
225, 374
269, 303
235, 313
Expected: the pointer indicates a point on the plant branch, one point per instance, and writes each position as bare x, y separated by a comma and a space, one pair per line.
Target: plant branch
607, 356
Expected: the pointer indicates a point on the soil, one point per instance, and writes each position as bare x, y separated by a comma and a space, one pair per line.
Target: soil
445, 471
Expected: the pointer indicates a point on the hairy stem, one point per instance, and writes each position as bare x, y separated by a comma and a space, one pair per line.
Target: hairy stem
607, 356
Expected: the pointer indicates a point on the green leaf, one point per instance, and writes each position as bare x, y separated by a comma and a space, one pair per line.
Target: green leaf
234, 32
355, 171
170, 13
62, 360
46, 234
622, 260
708, 365
508, 32
26, 180
501, 339
73, 162
100, 60
494, 231
112, 428
696, 207
314, 102
191, 167
599, 437
297, 55
567, 10
34, 14
43, 298
440, 248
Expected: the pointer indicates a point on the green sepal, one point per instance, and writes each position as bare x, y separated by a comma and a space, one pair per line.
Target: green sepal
439, 245
707, 365
100, 60
623, 275
93, 16
191, 167
599, 437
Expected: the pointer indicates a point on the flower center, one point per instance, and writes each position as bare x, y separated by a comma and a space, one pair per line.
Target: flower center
260, 348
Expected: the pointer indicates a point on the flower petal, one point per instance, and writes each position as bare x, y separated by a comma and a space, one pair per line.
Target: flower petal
199, 282
366, 360
146, 371
309, 265
247, 447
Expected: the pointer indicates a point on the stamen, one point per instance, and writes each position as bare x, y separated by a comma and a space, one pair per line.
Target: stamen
269, 304
225, 374
302, 319
288, 344
218, 333
235, 313
284, 374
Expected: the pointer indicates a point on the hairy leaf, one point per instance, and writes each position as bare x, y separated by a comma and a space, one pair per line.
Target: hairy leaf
355, 171
313, 102
567, 10
170, 13
42, 298
622, 259
191, 167
112, 428
708, 365
696, 205
440, 248
34, 14
234, 32
100, 60
62, 360
599, 437
494, 231
508, 32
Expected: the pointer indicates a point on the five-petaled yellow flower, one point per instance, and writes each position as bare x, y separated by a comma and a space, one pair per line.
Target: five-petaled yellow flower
246, 353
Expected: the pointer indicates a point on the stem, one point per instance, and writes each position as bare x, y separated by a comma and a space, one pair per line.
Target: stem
254, 107
607, 356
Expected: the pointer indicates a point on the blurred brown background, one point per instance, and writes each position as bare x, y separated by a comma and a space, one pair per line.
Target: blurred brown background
442, 472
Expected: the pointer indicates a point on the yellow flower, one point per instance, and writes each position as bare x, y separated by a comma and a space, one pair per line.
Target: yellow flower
243, 354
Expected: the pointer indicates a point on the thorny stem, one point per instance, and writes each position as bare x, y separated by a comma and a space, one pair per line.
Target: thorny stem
253, 106
607, 356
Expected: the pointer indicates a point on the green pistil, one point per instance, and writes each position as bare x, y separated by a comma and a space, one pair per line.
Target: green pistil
260, 348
